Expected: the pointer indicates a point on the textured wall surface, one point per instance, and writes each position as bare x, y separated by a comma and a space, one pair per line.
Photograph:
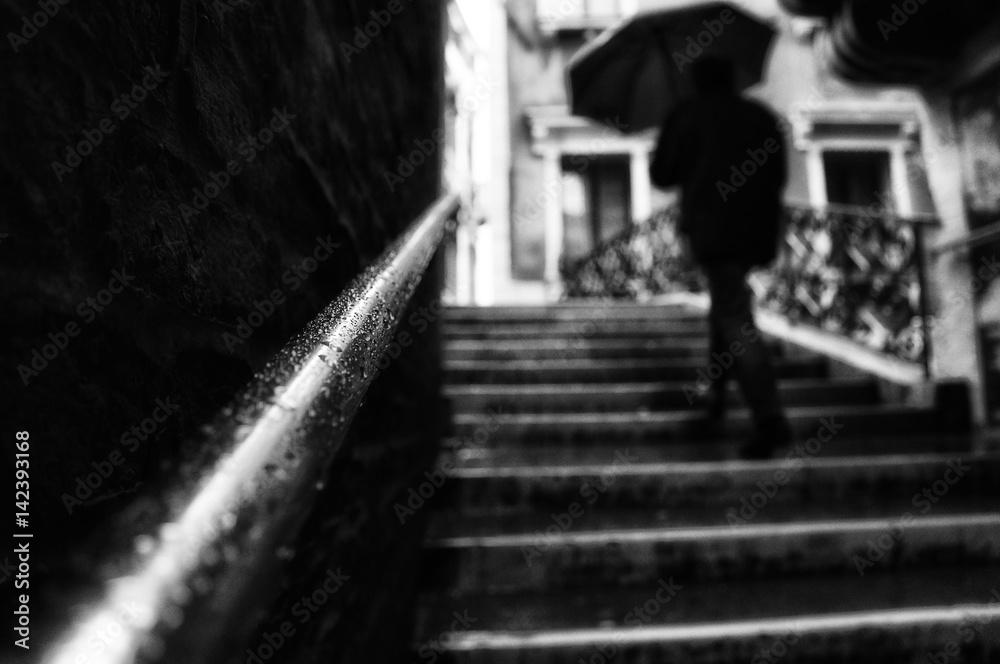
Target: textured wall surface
537, 64
120, 122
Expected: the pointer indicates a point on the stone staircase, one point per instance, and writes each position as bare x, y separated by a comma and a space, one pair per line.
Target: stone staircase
584, 512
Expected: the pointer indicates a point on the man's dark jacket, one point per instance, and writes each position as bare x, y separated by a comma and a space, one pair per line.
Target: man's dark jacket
727, 154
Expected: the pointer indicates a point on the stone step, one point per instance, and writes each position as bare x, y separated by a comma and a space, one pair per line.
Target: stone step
948, 617
581, 549
471, 451
694, 328
688, 370
624, 480
578, 348
579, 482
626, 428
584, 312
583, 397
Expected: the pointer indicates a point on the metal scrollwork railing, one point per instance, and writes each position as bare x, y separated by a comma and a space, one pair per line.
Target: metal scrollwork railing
840, 269
854, 274
644, 260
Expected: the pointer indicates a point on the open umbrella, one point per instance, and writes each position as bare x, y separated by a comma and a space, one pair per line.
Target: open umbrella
636, 71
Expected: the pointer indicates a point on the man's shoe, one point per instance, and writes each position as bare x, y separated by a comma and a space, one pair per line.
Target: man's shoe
713, 403
766, 440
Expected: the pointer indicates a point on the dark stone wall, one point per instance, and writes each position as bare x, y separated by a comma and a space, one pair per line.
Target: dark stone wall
119, 122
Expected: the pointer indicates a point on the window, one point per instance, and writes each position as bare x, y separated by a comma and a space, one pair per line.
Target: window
857, 178
596, 201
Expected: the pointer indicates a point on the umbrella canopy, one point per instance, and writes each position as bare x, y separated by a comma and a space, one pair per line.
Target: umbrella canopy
637, 70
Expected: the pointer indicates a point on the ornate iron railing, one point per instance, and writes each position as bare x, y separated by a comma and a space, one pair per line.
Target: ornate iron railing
855, 274
841, 269
644, 260
221, 525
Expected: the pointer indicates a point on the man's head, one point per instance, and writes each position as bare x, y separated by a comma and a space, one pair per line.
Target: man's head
713, 75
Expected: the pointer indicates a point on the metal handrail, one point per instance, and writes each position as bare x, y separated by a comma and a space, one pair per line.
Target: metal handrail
980, 236
191, 581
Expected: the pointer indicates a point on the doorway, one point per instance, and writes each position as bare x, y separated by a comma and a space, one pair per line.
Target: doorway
858, 178
597, 201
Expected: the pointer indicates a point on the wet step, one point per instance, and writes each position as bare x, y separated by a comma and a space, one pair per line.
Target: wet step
581, 348
899, 617
471, 451
623, 479
644, 396
571, 330
570, 312
576, 548
624, 428
566, 371
579, 481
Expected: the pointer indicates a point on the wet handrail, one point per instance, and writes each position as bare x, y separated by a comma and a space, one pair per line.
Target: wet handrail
190, 584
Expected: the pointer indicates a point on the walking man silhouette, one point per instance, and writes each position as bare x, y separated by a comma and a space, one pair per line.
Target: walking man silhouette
727, 155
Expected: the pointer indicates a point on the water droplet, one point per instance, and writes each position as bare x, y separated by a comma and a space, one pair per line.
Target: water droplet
144, 544
172, 617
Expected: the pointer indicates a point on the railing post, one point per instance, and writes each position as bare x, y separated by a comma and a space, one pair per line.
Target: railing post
921, 264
